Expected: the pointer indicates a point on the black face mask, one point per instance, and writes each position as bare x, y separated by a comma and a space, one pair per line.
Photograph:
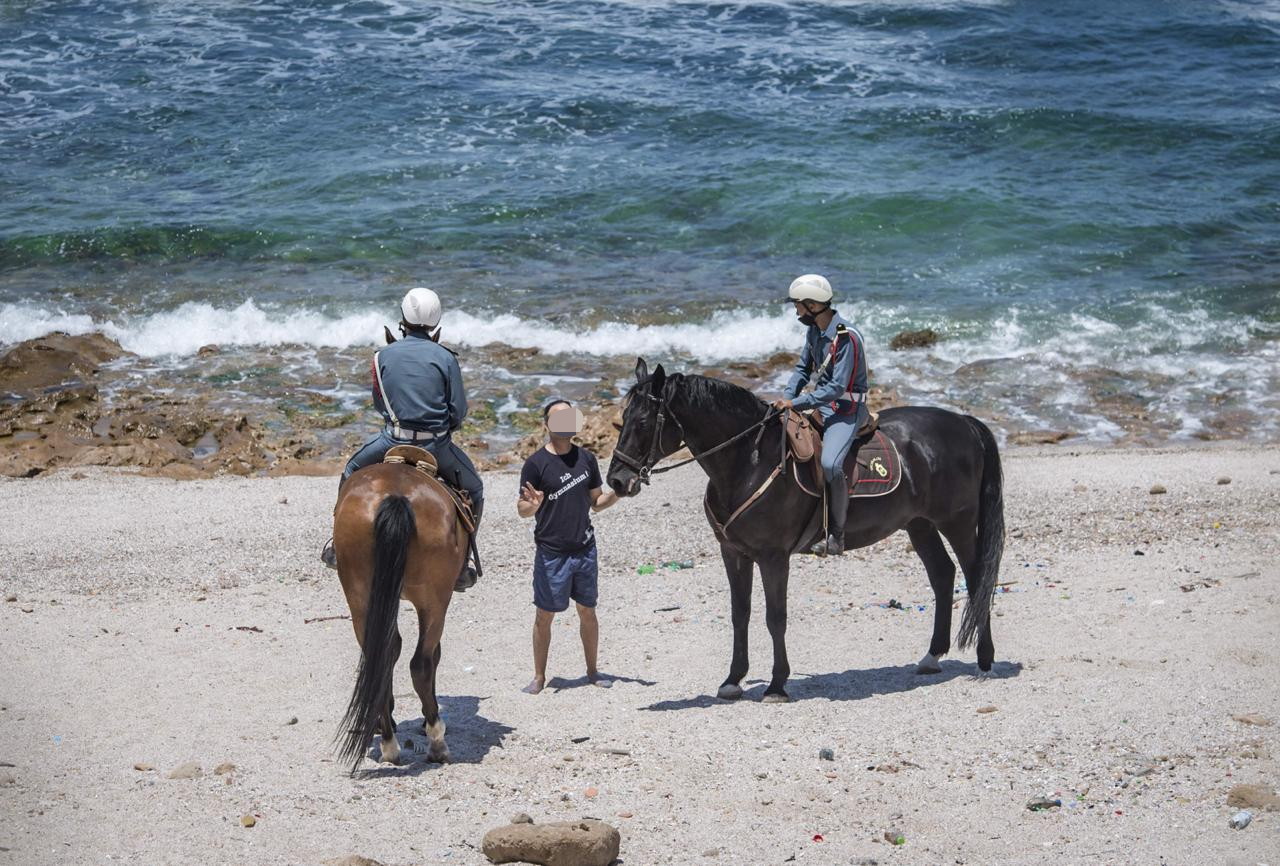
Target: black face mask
808, 320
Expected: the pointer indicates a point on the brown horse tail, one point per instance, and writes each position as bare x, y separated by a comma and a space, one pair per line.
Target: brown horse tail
393, 530
990, 538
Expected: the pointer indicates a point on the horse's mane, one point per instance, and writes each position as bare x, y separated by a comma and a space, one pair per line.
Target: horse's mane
705, 392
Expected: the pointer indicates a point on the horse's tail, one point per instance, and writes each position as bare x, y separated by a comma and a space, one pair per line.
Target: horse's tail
393, 530
990, 538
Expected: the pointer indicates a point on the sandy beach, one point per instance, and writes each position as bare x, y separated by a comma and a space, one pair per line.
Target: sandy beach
150, 623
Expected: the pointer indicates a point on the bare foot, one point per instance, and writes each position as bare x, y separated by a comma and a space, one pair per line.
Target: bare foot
535, 686
599, 680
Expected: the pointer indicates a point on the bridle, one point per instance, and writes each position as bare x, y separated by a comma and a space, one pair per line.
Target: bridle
645, 468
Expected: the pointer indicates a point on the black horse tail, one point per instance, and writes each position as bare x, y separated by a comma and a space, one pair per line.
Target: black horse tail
990, 538
393, 529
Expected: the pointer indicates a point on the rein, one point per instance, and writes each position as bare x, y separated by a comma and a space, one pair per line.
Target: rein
647, 468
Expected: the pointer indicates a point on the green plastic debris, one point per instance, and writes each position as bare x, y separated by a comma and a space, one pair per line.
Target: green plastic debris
647, 568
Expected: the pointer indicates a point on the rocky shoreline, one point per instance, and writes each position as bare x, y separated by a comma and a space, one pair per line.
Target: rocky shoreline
77, 401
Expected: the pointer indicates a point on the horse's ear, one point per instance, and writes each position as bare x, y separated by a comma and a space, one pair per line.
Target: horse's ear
386, 332
659, 380
642, 370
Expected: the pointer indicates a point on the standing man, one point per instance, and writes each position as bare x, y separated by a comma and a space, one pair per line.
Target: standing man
417, 386
560, 484
833, 350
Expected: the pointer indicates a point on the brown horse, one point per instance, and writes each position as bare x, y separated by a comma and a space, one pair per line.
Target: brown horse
397, 534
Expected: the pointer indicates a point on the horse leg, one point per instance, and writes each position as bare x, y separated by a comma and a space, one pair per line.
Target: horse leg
739, 569
942, 577
774, 572
391, 746
423, 666
964, 541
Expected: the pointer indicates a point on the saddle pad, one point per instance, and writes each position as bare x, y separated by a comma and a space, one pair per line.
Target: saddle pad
876, 469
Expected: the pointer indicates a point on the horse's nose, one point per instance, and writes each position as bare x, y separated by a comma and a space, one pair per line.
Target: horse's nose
618, 486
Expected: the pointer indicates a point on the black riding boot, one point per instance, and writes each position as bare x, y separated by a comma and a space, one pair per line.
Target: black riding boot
837, 512
467, 578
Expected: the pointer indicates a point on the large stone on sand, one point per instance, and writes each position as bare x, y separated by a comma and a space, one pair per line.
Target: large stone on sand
587, 842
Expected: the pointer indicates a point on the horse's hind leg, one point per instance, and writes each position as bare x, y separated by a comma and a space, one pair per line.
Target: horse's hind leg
942, 577
423, 666
390, 746
964, 541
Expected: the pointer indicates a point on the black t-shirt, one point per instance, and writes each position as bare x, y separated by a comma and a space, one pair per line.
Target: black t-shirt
564, 520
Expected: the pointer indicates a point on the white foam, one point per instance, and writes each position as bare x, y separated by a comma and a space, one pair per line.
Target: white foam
182, 331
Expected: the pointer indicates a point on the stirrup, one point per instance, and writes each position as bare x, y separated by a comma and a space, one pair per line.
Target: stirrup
832, 545
466, 580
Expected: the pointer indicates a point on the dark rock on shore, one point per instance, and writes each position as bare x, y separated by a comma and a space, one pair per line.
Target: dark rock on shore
920, 339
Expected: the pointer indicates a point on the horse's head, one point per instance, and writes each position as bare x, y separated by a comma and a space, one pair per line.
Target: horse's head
647, 432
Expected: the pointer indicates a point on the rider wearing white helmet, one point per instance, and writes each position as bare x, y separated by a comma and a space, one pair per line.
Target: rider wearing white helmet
417, 386
833, 356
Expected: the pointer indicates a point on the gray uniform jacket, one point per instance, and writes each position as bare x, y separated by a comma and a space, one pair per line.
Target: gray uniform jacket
843, 380
423, 384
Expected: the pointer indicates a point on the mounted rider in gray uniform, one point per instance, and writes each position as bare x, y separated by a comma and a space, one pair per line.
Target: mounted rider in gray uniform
417, 386
833, 355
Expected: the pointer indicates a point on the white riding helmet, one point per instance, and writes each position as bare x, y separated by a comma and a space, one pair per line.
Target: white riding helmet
421, 307
810, 287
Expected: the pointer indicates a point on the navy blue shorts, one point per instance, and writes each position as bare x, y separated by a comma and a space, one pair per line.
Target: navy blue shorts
558, 577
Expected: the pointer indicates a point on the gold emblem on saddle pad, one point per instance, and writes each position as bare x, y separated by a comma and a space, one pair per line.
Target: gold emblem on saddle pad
878, 467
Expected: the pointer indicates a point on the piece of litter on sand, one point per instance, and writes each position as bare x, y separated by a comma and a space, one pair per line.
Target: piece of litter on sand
677, 565
1252, 719
1041, 804
578, 739
647, 568
248, 628
1240, 820
666, 609
326, 618
893, 837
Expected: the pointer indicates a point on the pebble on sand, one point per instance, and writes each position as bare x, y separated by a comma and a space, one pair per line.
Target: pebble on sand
224, 768
247, 820
143, 767
587, 842
189, 770
1157, 489
1224, 480
987, 709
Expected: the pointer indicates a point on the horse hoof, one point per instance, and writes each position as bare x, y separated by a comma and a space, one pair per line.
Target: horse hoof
928, 665
438, 757
729, 692
776, 698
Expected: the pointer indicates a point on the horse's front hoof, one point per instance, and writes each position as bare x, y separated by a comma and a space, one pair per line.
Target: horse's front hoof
729, 692
928, 665
776, 698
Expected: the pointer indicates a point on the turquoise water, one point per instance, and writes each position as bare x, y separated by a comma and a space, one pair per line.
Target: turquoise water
1060, 186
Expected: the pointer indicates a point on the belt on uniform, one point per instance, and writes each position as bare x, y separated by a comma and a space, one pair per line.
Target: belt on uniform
395, 431
854, 396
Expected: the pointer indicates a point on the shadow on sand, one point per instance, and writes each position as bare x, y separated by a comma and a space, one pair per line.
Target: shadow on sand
559, 684
850, 685
470, 736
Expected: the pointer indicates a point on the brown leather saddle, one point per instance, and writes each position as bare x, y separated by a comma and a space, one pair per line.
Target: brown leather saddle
425, 462
873, 466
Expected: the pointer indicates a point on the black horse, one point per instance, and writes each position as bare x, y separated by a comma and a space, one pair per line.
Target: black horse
951, 486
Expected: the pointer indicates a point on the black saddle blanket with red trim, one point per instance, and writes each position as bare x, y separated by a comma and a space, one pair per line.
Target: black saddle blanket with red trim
875, 469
